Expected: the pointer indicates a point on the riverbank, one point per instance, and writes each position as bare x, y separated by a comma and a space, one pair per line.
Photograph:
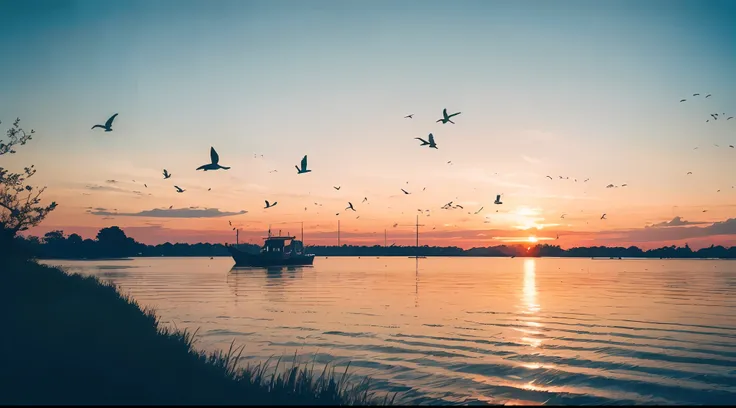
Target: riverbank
70, 339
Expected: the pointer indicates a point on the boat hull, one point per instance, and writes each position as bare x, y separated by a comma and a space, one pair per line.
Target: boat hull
262, 260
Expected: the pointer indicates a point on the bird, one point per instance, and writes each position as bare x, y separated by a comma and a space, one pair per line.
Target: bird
481, 209
683, 100
563, 215
108, 125
610, 186
396, 225
624, 185
365, 199
179, 189
171, 206
586, 180
707, 96
409, 116
269, 205
215, 160
731, 146
498, 199
209, 189
446, 117
230, 223
603, 217
689, 172
145, 185
429, 143
729, 118
549, 177
696, 94
166, 174
304, 166
450, 162
405, 192
336, 188
350, 206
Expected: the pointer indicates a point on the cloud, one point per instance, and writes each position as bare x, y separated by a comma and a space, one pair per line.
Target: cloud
192, 212
111, 181
531, 160
675, 222
675, 233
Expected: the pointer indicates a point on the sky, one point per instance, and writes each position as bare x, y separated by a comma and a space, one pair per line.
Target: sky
578, 89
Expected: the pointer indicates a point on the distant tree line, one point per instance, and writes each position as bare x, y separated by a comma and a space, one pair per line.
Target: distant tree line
111, 242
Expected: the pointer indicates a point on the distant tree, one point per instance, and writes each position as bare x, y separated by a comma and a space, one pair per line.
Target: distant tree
113, 242
20, 206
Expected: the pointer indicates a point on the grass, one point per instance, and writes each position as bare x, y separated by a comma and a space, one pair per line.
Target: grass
69, 339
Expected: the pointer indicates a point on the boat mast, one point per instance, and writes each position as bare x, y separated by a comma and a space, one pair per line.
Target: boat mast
417, 245
302, 232
237, 236
338, 233
384, 237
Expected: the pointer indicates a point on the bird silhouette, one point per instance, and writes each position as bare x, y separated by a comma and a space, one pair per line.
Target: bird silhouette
707, 96
350, 206
336, 188
304, 166
446, 117
215, 160
409, 116
365, 199
429, 143
166, 174
549, 177
689, 172
729, 118
481, 209
563, 215
209, 189
108, 125
498, 199
269, 205
405, 192
171, 206
683, 100
179, 189
696, 94
603, 217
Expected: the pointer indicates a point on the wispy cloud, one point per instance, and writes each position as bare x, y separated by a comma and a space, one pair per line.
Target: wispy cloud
531, 160
675, 222
192, 212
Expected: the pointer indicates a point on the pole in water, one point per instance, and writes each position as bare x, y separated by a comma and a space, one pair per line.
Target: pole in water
237, 237
338, 232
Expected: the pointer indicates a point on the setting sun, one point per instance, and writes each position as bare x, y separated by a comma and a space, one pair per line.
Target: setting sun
532, 239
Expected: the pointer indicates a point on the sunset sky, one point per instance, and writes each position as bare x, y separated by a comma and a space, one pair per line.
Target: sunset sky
579, 89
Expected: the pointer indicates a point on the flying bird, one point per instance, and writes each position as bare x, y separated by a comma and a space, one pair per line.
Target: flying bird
336, 188
549, 177
303, 169
610, 186
350, 206
209, 189
689, 172
269, 205
729, 118
683, 100
707, 96
365, 199
405, 192
145, 185
429, 143
166, 174
171, 206
179, 189
603, 217
563, 215
108, 125
696, 94
481, 209
446, 117
498, 199
409, 116
215, 160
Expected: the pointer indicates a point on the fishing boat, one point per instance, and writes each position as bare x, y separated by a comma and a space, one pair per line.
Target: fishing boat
276, 251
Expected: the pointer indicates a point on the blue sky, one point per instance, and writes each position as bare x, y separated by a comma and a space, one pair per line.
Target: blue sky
578, 88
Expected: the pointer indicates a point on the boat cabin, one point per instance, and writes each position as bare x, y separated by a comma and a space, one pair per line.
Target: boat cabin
282, 245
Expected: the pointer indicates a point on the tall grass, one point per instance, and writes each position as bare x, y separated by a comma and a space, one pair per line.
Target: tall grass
69, 339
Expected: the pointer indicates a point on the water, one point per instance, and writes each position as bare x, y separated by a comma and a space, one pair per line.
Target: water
467, 330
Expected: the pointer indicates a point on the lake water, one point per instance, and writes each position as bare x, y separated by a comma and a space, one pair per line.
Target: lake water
467, 330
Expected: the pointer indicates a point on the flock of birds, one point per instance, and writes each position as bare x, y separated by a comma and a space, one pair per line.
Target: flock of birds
430, 142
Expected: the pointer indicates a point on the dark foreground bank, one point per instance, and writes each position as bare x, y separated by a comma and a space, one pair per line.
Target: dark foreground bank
69, 339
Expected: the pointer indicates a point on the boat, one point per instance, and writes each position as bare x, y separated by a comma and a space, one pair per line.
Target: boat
276, 251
